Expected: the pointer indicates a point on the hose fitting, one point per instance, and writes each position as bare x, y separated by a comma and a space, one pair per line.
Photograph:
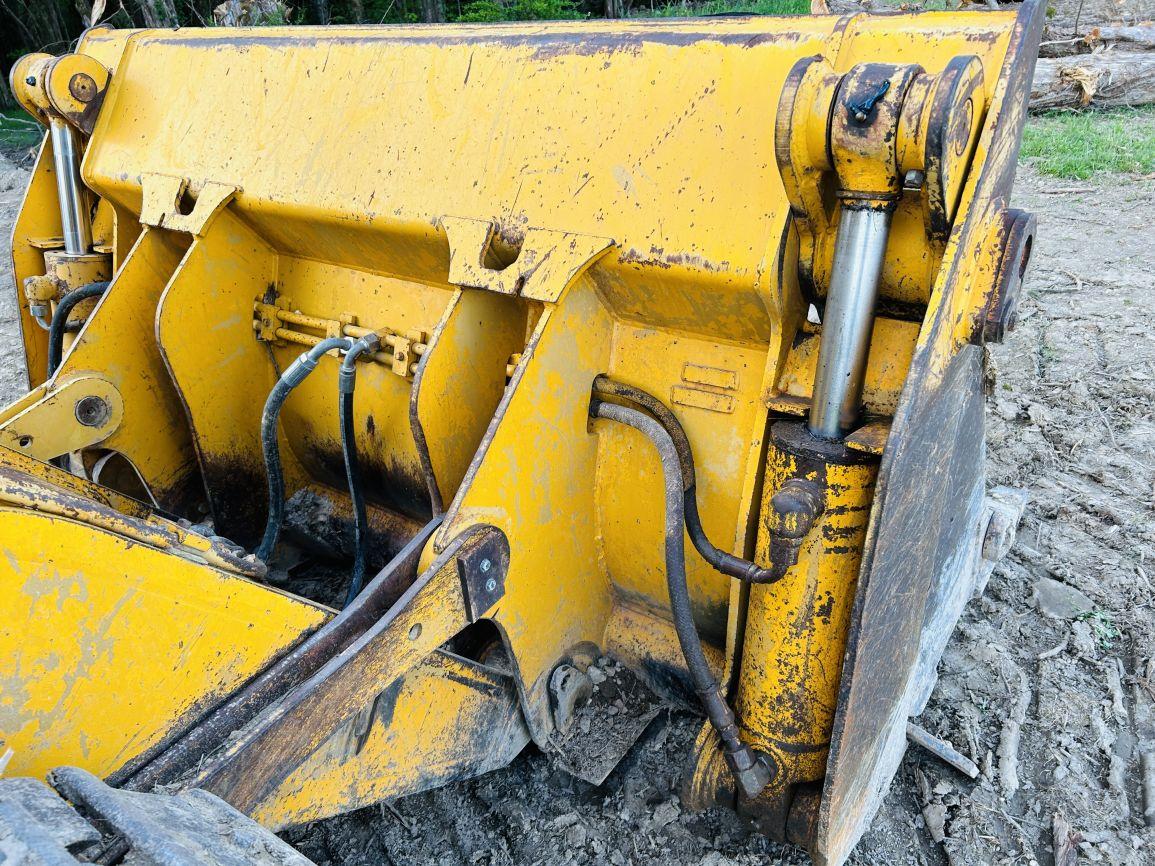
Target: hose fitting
794, 509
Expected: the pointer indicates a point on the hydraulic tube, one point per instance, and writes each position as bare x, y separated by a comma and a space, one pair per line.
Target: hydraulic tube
347, 382
726, 563
60, 321
74, 216
749, 770
294, 375
848, 319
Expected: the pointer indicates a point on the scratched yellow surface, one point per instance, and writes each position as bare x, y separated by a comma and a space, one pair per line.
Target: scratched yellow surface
105, 644
348, 148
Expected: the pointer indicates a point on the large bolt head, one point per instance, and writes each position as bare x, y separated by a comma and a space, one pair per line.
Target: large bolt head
92, 411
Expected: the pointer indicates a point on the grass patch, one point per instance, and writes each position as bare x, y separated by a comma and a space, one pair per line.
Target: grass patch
721, 7
18, 131
1079, 145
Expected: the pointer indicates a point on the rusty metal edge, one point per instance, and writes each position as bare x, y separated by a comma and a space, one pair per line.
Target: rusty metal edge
995, 181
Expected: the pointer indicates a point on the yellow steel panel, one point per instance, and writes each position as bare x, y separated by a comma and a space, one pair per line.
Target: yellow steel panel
121, 343
463, 379
557, 593
629, 478
448, 720
107, 644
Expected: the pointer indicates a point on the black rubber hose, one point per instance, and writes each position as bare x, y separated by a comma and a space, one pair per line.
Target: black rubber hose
347, 383
726, 563
293, 376
60, 320
749, 771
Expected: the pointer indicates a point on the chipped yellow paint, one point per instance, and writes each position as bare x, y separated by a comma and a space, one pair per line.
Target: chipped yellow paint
448, 719
106, 644
587, 198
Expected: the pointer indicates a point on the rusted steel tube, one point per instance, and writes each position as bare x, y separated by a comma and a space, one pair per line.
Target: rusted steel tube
290, 336
304, 320
749, 770
292, 317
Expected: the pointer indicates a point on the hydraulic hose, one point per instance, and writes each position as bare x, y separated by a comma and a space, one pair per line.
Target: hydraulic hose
726, 563
60, 320
346, 383
750, 771
294, 375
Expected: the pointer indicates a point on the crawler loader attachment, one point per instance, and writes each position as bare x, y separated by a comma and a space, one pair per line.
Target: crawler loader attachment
380, 376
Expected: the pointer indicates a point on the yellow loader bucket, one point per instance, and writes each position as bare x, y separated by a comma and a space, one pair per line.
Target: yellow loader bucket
382, 379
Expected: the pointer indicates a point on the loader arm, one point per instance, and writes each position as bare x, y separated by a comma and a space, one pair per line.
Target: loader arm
659, 340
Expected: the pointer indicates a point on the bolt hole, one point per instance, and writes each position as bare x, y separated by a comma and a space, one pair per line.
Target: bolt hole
24, 441
415, 631
1025, 258
187, 202
501, 252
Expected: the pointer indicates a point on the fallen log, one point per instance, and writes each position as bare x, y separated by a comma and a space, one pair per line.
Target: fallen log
1076, 17
1140, 37
1104, 80
1067, 19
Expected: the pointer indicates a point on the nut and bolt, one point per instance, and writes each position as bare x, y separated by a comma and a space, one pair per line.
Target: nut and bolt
486, 565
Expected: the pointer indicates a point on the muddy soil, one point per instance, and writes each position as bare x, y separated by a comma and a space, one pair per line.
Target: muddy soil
1048, 683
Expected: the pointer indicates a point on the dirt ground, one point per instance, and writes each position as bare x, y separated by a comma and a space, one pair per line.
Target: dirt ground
1047, 684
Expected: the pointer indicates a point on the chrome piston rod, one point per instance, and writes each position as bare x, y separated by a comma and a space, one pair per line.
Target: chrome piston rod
74, 217
848, 319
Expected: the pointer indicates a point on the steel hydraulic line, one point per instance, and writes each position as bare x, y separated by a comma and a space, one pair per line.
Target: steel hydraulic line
294, 375
749, 770
726, 563
60, 320
347, 382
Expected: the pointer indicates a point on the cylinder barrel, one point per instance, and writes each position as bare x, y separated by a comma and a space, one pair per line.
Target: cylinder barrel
795, 632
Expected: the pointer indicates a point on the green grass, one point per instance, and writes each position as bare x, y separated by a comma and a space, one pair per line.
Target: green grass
1079, 145
642, 9
18, 131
